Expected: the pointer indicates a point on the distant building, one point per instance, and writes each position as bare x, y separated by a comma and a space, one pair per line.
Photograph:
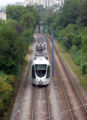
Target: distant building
2, 9
19, 3
3, 16
29, 2
45, 3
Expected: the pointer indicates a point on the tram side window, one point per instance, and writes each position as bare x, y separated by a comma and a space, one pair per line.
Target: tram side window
33, 72
48, 72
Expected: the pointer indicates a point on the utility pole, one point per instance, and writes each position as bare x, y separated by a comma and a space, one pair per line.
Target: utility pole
47, 37
52, 54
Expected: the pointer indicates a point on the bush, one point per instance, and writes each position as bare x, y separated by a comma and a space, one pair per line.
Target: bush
74, 49
84, 68
77, 40
6, 88
84, 44
68, 41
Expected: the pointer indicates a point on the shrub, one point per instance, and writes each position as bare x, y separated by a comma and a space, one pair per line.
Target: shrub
77, 40
84, 68
68, 41
84, 44
6, 89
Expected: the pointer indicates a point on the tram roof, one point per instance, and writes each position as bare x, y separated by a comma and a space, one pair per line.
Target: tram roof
41, 60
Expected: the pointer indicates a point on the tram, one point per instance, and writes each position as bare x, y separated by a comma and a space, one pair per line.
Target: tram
41, 71
40, 64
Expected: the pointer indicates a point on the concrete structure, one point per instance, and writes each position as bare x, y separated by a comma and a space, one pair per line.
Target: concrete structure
3, 16
19, 3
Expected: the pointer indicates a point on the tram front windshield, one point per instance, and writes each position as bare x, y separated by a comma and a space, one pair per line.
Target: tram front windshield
40, 70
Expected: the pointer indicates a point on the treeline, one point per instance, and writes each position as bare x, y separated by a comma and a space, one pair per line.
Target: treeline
70, 27
43, 12
16, 33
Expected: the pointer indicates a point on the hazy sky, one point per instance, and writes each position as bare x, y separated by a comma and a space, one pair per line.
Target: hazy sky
5, 2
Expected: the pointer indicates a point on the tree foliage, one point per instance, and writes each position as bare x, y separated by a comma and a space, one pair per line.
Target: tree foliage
83, 13
17, 31
15, 36
70, 26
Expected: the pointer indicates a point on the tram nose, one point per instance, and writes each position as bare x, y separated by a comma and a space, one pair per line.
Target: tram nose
40, 82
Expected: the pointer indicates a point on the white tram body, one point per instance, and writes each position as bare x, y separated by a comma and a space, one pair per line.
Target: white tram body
40, 64
41, 71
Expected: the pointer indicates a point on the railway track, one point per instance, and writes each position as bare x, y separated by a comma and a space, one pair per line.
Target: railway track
74, 88
65, 94
83, 106
40, 107
71, 82
63, 89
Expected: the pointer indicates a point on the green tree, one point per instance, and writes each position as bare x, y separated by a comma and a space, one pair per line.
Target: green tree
14, 12
28, 20
69, 12
10, 52
83, 13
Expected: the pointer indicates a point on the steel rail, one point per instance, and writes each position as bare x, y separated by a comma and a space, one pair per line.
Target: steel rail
64, 91
69, 77
65, 95
33, 108
48, 106
47, 100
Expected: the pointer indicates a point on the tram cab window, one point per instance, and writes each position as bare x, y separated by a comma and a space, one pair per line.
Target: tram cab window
40, 70
33, 72
48, 71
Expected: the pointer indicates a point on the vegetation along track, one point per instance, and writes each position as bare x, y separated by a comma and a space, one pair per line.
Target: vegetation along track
40, 106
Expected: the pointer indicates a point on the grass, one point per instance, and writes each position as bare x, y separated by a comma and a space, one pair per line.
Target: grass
19, 80
67, 56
